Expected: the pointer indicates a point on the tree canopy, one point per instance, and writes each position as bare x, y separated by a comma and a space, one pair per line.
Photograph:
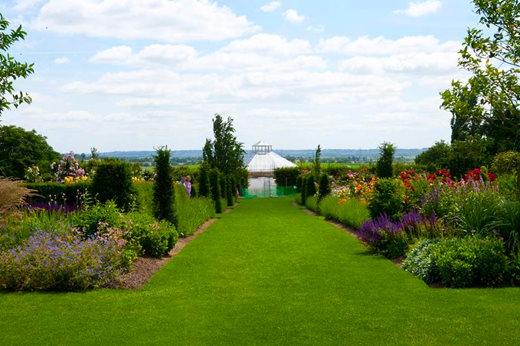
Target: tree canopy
20, 149
487, 105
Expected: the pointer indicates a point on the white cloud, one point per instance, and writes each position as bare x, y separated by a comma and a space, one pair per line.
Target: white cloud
293, 16
24, 5
419, 9
160, 20
271, 6
61, 61
316, 29
380, 46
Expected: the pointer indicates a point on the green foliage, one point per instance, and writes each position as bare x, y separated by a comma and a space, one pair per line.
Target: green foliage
487, 105
20, 149
459, 262
392, 244
303, 194
508, 163
384, 168
351, 213
97, 218
507, 225
316, 168
15, 228
225, 153
204, 186
324, 186
113, 182
419, 261
154, 238
11, 69
471, 153
475, 212
144, 197
470, 261
310, 186
192, 212
163, 192
312, 203
60, 194
436, 157
214, 179
230, 198
387, 199
287, 176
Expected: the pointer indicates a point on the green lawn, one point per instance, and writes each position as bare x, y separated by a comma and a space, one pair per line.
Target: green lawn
268, 273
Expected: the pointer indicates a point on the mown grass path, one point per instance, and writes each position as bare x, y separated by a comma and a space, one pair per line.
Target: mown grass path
268, 273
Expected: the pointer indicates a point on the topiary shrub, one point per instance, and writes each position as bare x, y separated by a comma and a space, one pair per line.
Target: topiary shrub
204, 186
59, 195
384, 167
303, 190
163, 191
214, 179
387, 199
310, 186
113, 182
229, 191
324, 186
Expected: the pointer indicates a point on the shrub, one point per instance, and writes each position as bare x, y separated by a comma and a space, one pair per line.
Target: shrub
475, 211
204, 187
163, 191
468, 154
113, 182
12, 195
97, 218
312, 203
470, 261
460, 262
509, 163
387, 199
507, 225
419, 261
350, 212
324, 186
310, 186
214, 177
144, 196
154, 238
54, 262
229, 191
59, 195
384, 168
436, 157
192, 212
286, 176
303, 193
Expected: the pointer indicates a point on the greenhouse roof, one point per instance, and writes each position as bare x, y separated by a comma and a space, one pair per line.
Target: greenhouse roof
266, 161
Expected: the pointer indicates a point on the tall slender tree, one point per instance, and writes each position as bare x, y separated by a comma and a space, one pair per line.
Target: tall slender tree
163, 190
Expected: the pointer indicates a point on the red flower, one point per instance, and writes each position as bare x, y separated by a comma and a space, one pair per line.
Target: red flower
492, 176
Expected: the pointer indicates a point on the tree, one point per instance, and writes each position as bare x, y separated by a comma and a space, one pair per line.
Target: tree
469, 154
487, 105
163, 189
384, 168
204, 187
317, 163
20, 149
304, 189
324, 186
509, 163
436, 157
216, 193
225, 152
10, 68
113, 182
310, 187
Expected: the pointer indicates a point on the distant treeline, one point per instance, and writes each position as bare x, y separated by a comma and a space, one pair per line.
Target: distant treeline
187, 157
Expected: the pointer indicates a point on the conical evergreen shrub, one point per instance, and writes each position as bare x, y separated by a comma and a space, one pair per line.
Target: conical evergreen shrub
163, 190
204, 187
324, 186
214, 179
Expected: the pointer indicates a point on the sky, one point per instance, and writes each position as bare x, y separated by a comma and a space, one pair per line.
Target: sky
138, 74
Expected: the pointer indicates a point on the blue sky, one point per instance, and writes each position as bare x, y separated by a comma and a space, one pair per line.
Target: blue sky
133, 74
